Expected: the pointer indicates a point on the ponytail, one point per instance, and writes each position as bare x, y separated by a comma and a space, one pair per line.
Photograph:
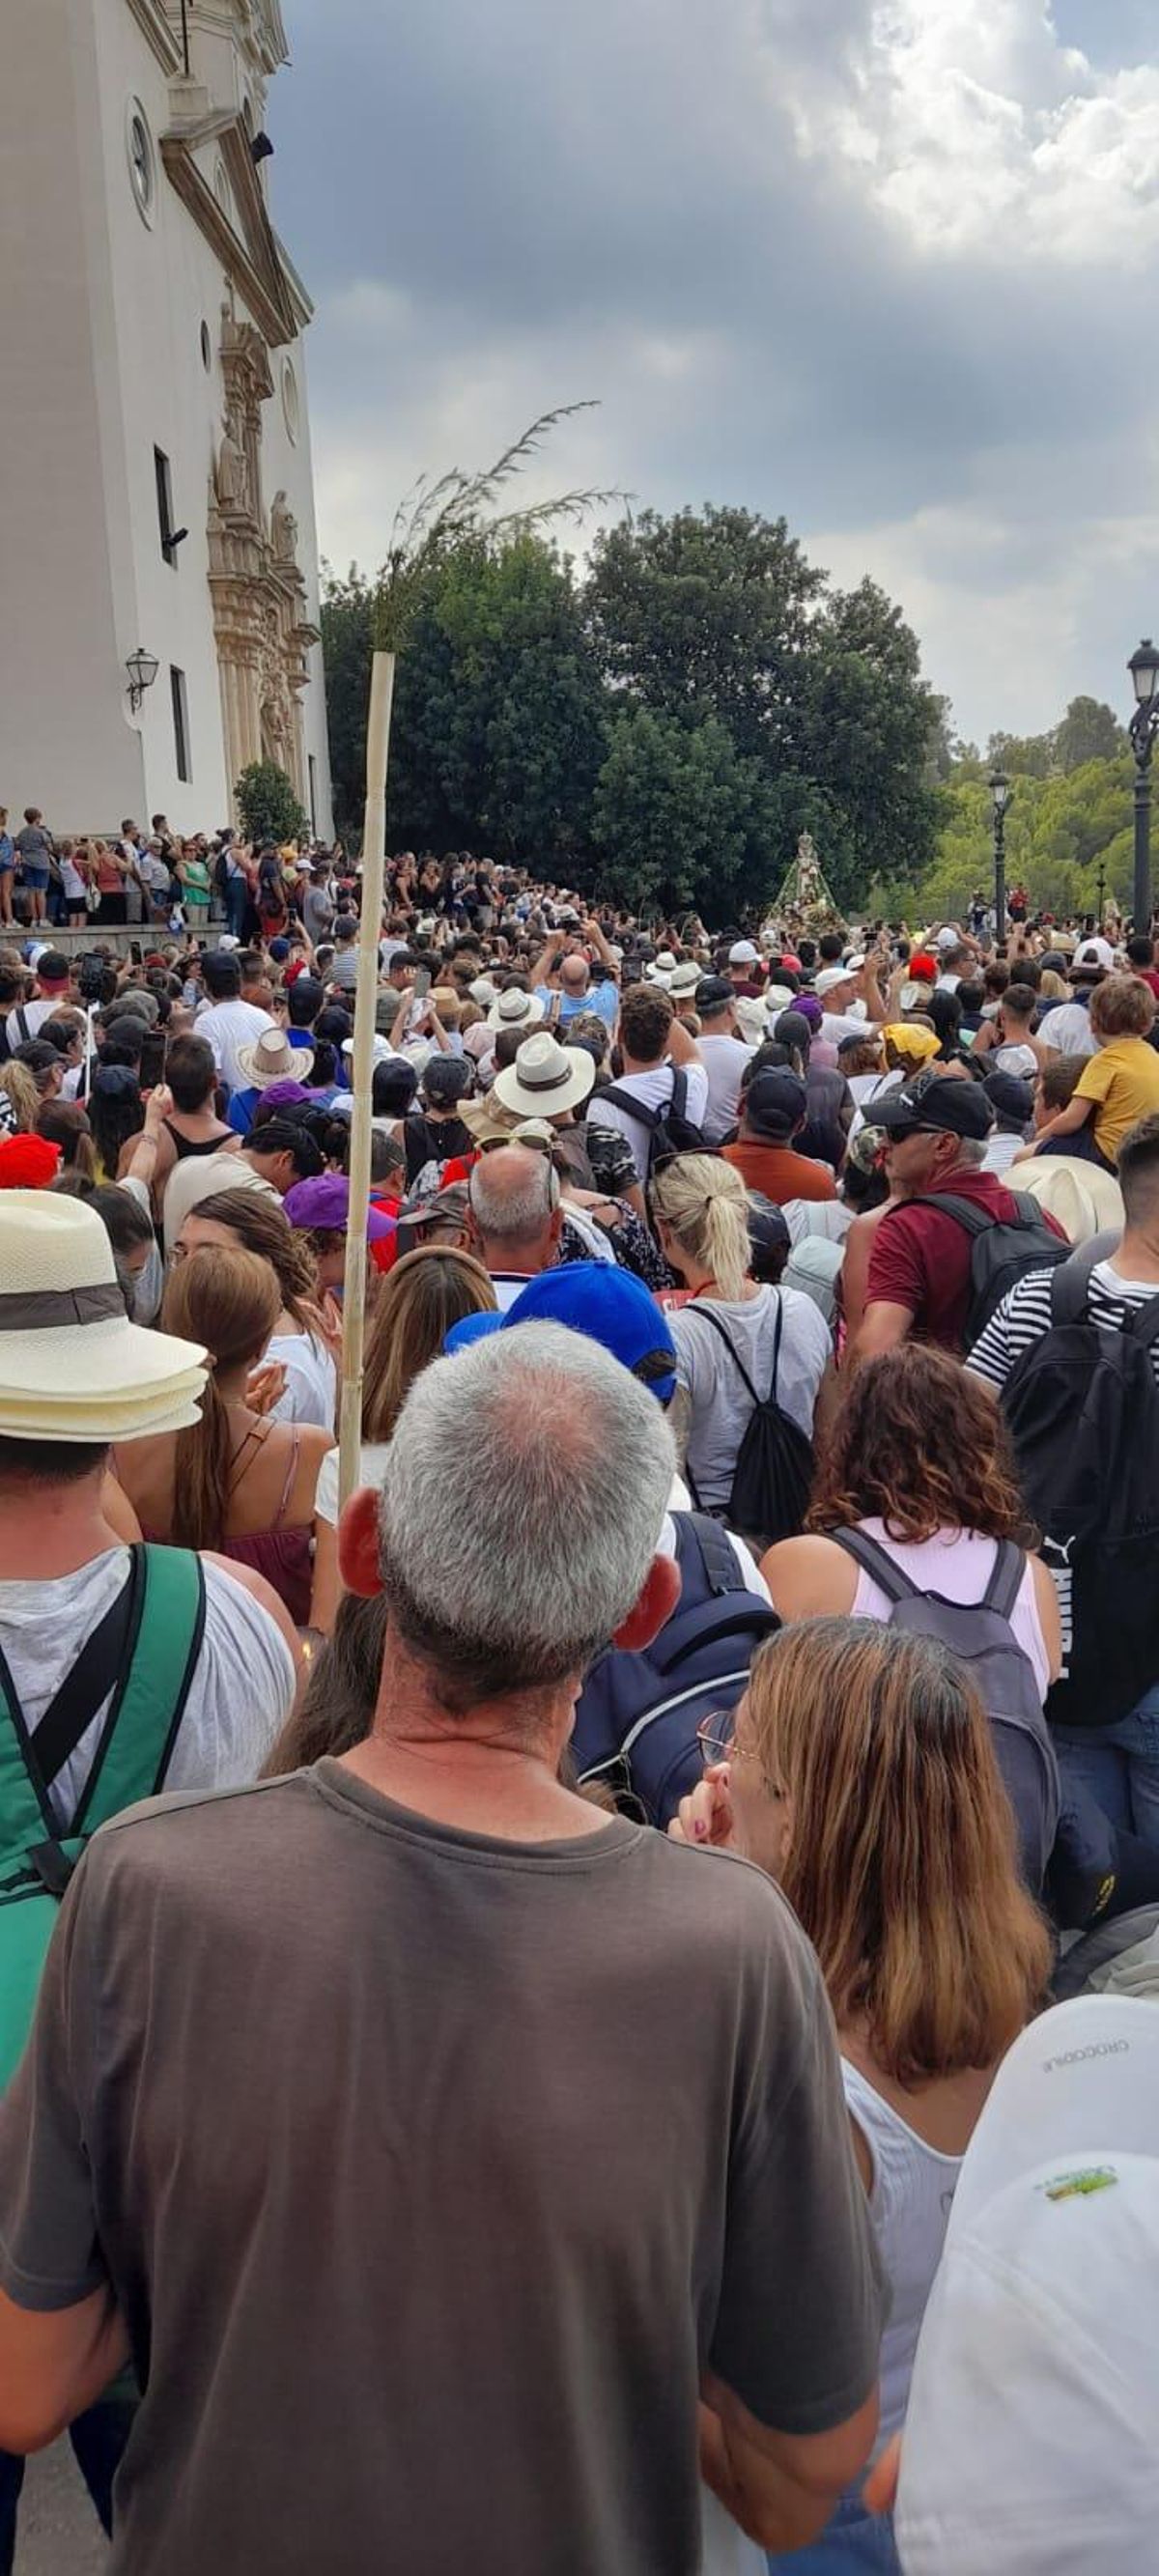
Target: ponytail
705, 1203
201, 1465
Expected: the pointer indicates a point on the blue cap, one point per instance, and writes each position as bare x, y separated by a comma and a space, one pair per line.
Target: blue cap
593, 1297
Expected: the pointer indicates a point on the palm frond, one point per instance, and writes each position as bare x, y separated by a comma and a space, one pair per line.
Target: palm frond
434, 516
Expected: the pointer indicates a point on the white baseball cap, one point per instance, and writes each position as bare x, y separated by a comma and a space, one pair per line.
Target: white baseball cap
744, 953
1031, 2444
829, 979
1095, 952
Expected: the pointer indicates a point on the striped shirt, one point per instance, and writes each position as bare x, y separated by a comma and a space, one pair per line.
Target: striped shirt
1024, 1316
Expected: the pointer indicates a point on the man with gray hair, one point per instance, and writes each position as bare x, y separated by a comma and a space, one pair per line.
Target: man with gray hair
516, 1217
449, 2163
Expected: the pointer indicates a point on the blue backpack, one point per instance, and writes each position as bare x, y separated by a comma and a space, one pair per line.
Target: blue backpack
637, 1715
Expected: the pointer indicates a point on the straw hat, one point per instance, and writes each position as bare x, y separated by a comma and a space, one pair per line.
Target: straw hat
751, 1018
515, 1009
72, 1366
271, 1058
546, 1079
1084, 1200
684, 979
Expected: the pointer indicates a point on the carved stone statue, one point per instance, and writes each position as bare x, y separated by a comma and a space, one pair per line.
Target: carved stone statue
231, 477
283, 531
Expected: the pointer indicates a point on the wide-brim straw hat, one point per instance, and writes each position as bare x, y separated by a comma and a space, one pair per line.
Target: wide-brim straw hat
271, 1058
515, 1009
72, 1366
546, 1078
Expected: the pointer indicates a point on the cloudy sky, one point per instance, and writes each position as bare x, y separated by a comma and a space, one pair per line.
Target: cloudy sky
884, 266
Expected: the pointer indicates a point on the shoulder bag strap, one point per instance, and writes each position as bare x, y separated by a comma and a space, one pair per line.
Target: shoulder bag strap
1006, 1579
874, 1562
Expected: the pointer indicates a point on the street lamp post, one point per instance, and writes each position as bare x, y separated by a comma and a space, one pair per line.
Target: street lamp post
1144, 669
1000, 799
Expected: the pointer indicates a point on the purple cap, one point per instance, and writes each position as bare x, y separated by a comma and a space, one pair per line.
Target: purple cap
286, 1095
324, 1204
810, 1009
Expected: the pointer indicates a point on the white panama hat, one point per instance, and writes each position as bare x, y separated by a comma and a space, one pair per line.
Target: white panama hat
546, 1078
515, 1009
72, 1366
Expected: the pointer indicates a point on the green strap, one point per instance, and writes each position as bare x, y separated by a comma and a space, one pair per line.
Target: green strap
135, 1757
137, 1744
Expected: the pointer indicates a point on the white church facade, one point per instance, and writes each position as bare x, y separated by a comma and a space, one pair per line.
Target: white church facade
156, 493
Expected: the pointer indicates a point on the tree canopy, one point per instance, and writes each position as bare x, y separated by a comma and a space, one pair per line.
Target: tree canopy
667, 722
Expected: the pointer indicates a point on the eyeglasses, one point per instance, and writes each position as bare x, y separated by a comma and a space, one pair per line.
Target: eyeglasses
716, 1736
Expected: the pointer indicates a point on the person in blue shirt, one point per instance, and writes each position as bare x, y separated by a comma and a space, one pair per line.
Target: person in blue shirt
576, 989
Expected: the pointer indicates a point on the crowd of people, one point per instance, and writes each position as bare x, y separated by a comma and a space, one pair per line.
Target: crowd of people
566, 2084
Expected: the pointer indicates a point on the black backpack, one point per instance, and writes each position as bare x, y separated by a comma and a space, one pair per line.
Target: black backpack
637, 1714
1083, 1410
670, 1129
979, 1634
773, 1475
1004, 1250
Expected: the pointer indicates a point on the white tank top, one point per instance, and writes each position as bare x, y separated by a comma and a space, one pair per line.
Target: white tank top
909, 2203
958, 1564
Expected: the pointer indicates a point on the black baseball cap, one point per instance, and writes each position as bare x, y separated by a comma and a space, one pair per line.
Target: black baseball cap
1009, 1095
714, 993
774, 1105
937, 1104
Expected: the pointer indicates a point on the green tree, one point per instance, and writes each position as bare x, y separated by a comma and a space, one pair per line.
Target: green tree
707, 613
867, 719
347, 627
676, 817
1090, 730
267, 804
1028, 755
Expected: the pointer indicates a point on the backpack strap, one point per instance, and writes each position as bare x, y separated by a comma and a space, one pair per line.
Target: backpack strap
136, 1752
697, 1534
1006, 1580
1070, 1280
617, 1099
875, 1562
31, 1760
679, 1099
973, 1220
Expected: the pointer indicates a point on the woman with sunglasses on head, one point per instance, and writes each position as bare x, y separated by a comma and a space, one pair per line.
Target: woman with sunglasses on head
860, 1774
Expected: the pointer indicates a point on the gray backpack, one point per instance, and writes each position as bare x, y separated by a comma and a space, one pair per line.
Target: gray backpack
979, 1634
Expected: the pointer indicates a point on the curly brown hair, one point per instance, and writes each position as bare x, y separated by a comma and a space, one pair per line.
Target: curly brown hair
922, 1446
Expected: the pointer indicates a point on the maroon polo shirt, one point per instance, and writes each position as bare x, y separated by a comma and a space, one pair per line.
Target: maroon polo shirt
921, 1259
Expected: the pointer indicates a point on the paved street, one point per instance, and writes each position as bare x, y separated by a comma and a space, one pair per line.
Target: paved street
59, 2532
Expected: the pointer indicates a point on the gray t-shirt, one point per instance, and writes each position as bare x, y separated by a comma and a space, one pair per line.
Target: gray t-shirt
712, 1397
431, 2172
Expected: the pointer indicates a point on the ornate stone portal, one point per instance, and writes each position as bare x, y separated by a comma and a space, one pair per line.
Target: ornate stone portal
262, 630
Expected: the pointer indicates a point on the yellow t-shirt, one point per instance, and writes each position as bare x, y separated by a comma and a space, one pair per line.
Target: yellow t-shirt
1123, 1081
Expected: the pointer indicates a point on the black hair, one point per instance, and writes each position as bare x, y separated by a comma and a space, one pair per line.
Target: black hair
126, 1223
285, 1136
1141, 950
393, 1087
221, 974
50, 1462
333, 1023
303, 1001
191, 1072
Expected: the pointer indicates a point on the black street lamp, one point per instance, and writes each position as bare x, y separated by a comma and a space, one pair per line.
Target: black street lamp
1000, 799
1101, 893
1144, 669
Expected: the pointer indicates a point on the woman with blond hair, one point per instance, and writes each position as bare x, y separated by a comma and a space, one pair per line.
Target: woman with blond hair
737, 1342
861, 1775
425, 1293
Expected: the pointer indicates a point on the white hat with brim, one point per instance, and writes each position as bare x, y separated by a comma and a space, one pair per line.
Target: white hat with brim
662, 969
751, 1018
546, 1078
72, 1366
684, 978
515, 1009
1084, 1200
271, 1058
1029, 2444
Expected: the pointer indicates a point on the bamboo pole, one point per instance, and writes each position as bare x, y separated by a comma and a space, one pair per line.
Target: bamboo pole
373, 876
